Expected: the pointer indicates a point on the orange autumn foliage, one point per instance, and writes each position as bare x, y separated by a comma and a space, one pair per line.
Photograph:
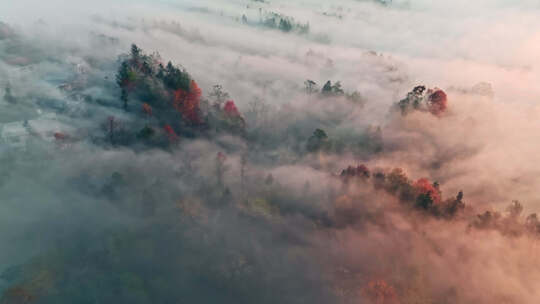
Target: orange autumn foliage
147, 109
187, 103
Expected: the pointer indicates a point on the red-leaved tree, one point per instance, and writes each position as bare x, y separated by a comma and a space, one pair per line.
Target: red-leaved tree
187, 103
170, 133
437, 102
230, 109
424, 187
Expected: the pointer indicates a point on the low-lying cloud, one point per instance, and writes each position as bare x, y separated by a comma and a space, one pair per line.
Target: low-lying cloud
292, 151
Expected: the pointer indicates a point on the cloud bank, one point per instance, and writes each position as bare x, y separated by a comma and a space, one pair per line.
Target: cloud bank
292, 151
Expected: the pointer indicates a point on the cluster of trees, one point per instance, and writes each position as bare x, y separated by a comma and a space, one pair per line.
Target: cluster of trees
222, 114
169, 102
351, 173
330, 89
368, 143
510, 223
145, 77
171, 106
433, 100
420, 194
278, 21
427, 196
318, 141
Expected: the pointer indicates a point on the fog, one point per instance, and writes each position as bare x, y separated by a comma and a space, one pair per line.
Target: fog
292, 151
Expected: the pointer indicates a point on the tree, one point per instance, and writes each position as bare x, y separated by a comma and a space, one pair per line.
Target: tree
135, 53
146, 133
424, 201
532, 223
230, 109
123, 78
427, 191
453, 206
434, 101
8, 96
437, 102
396, 180
360, 171
317, 141
311, 86
336, 89
419, 90
187, 103
111, 127
170, 133
515, 209
219, 95
190, 108
332, 90
161, 72
285, 25
327, 88
459, 197
146, 67
124, 98
270, 22
413, 99
233, 118
175, 78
